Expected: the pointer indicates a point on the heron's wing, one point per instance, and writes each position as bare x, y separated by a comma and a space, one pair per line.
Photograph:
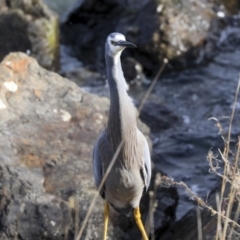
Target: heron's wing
147, 164
100, 154
147, 169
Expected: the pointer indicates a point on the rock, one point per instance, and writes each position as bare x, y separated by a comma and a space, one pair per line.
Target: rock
24, 213
30, 27
3, 4
159, 29
232, 6
13, 27
48, 127
59, 6
187, 227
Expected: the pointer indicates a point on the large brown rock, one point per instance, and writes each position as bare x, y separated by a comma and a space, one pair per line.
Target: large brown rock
48, 127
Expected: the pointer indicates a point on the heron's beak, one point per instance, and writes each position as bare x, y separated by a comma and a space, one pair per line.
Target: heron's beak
126, 44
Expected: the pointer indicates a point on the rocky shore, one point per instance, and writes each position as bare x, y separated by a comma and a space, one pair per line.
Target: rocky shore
48, 123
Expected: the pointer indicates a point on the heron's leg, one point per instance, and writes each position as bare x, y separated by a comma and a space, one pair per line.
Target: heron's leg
137, 216
106, 218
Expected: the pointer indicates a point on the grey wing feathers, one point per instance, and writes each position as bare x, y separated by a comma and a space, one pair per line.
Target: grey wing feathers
100, 154
147, 164
97, 166
147, 171
97, 162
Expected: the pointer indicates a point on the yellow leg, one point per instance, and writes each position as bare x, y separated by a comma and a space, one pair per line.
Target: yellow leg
106, 217
137, 216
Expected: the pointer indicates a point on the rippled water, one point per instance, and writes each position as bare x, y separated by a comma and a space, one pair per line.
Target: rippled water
178, 110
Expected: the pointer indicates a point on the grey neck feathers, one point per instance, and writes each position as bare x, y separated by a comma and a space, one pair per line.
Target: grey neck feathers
122, 114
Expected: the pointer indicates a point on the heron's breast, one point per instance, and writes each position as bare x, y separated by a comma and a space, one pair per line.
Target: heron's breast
123, 186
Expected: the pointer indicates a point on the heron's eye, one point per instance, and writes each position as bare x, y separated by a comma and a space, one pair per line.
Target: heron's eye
112, 42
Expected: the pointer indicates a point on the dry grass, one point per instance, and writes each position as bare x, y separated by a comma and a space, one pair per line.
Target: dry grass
231, 175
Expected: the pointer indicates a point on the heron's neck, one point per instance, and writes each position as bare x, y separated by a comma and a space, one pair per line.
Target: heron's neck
122, 114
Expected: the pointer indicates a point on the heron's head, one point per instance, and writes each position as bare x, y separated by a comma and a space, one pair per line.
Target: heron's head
116, 42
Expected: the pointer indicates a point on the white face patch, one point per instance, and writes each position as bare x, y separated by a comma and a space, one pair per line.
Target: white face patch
112, 38
11, 86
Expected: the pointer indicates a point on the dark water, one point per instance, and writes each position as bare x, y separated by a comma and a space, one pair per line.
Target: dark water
178, 110
190, 98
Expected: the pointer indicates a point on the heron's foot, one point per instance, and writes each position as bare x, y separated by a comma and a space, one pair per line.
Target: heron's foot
137, 216
106, 218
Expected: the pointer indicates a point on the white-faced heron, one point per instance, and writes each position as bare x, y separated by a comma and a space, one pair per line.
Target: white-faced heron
130, 175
